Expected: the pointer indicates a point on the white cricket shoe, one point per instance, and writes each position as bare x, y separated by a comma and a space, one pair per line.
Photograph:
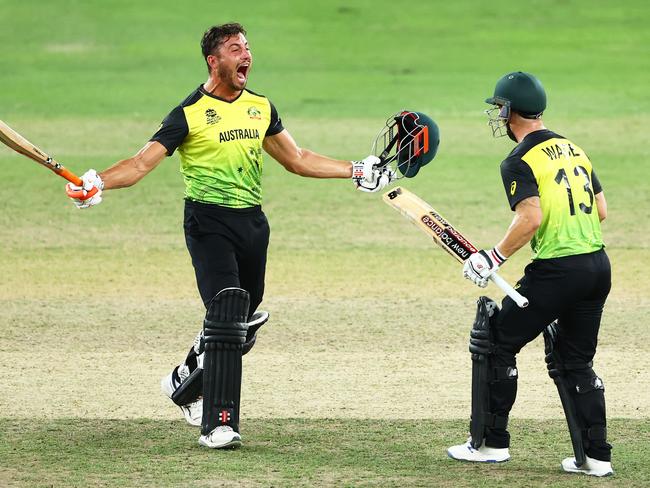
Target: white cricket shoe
592, 467
484, 454
193, 412
221, 437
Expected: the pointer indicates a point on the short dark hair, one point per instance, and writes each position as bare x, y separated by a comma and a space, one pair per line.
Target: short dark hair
217, 34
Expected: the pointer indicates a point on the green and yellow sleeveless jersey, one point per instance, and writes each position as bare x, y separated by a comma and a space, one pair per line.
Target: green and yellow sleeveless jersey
550, 166
220, 145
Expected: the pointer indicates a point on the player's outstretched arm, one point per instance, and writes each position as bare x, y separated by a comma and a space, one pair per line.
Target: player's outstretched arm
128, 172
283, 148
124, 173
365, 174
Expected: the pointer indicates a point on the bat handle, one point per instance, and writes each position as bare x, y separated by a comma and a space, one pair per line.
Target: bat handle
81, 194
70, 176
75, 180
520, 300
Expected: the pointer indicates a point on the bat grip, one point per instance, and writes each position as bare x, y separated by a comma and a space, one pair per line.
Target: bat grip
81, 194
521, 301
70, 176
75, 180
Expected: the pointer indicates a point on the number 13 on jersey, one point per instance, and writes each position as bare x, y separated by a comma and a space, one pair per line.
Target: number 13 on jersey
561, 178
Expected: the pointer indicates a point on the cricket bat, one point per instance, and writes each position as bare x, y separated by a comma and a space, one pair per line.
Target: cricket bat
427, 219
18, 143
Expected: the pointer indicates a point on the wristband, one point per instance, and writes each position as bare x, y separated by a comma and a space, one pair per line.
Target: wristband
496, 256
357, 170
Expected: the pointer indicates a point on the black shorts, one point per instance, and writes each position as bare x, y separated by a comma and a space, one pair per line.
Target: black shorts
572, 289
228, 248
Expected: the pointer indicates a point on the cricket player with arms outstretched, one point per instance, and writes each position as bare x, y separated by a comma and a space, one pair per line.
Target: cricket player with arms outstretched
559, 203
220, 130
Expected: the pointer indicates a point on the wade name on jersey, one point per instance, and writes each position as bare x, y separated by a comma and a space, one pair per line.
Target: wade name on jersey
557, 151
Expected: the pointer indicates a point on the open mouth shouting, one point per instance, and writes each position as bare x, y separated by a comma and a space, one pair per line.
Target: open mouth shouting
242, 72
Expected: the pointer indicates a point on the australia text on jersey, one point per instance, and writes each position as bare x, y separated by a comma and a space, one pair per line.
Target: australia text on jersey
236, 134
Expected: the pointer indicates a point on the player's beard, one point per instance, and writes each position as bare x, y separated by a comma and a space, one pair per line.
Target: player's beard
229, 78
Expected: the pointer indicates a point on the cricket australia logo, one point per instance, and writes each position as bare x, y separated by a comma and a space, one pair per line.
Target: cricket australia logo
211, 116
253, 113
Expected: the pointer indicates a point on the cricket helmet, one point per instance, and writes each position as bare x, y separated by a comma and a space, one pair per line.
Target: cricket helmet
411, 139
521, 92
515, 92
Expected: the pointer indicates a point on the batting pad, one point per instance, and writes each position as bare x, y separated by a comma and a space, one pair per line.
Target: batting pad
224, 330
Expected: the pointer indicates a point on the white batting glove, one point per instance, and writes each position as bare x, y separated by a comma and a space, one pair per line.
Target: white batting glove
480, 265
368, 178
79, 194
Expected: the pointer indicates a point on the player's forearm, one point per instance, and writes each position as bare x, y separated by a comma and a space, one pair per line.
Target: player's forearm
313, 165
528, 217
601, 205
520, 232
129, 171
123, 174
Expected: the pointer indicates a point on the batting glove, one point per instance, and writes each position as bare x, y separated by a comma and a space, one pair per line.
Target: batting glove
368, 178
92, 185
480, 265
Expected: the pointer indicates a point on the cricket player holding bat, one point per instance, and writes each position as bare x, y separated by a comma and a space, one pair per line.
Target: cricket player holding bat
559, 204
220, 130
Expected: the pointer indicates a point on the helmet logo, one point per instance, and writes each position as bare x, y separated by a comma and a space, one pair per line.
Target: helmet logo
511, 77
513, 187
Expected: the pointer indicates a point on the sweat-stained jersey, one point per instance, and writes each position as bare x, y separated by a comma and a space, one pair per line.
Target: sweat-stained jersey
547, 165
220, 145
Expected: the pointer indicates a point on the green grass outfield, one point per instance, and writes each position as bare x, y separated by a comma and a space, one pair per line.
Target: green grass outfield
297, 452
362, 376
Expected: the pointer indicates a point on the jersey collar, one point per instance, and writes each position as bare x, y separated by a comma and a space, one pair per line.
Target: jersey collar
208, 94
